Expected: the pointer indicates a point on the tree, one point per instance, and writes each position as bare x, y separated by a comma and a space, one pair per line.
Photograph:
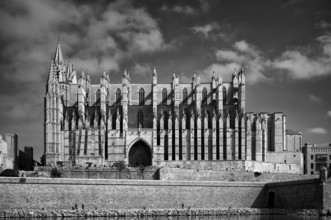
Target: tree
55, 173
119, 165
43, 160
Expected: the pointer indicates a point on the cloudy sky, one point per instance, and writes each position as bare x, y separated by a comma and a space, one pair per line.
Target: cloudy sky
285, 47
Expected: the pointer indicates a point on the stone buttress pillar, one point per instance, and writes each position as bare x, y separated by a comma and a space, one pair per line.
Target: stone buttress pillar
176, 147
184, 137
258, 137
229, 137
192, 137
220, 136
199, 131
243, 137
214, 137
170, 153
236, 138
249, 139
205, 137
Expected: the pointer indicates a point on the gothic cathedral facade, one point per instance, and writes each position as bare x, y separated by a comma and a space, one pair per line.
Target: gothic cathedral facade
155, 124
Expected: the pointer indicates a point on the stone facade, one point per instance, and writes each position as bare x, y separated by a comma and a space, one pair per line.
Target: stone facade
154, 123
316, 157
8, 152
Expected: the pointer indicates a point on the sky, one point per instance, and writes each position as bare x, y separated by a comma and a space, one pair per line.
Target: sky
284, 46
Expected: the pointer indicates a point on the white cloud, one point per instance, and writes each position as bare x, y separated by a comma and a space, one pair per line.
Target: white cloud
180, 9
142, 70
293, 64
314, 98
243, 54
317, 130
205, 30
300, 66
329, 113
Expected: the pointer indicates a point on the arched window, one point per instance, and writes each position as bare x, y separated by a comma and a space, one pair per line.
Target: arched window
184, 96
204, 96
209, 120
224, 96
141, 96
140, 119
118, 97
164, 96
98, 97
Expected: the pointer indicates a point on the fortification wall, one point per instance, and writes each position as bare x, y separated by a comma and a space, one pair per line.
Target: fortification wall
35, 193
305, 194
168, 173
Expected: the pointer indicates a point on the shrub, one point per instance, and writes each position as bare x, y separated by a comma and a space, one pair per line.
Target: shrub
55, 173
9, 173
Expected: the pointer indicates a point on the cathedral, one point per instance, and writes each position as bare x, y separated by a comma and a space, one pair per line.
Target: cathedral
160, 123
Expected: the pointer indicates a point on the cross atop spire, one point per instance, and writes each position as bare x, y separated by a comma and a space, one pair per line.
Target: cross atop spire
58, 57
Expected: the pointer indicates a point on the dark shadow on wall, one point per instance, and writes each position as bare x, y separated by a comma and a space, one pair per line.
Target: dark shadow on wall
260, 201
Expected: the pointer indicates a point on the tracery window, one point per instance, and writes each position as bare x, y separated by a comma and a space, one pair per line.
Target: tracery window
141, 96
98, 97
204, 96
164, 96
224, 96
118, 97
140, 119
185, 96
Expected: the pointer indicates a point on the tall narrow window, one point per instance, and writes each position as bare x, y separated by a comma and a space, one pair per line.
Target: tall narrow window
184, 96
118, 97
141, 96
224, 96
164, 96
204, 96
140, 119
98, 97
209, 120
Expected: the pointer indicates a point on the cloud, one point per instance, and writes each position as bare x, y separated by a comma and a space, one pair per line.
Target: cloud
141, 70
97, 37
314, 98
300, 66
206, 30
180, 9
317, 130
292, 63
243, 53
328, 113
323, 25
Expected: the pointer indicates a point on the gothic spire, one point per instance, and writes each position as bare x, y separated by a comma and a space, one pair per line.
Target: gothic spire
58, 57
51, 75
154, 72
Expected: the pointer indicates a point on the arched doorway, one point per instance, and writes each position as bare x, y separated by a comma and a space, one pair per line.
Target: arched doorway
140, 155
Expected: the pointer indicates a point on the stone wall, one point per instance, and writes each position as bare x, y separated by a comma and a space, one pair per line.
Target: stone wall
168, 173
36, 193
305, 194
99, 173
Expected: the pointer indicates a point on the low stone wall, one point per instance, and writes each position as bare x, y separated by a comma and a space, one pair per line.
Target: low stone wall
60, 193
236, 165
149, 173
168, 173
159, 212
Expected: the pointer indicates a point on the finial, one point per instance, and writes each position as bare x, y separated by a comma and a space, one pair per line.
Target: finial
125, 73
174, 75
104, 74
154, 71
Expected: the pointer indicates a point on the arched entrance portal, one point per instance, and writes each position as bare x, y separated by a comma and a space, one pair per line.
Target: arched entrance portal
140, 155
